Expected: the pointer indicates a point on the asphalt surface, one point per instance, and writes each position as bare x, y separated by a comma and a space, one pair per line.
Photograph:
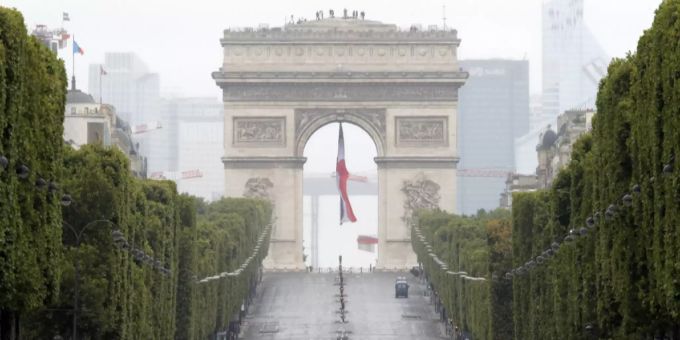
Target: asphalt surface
306, 306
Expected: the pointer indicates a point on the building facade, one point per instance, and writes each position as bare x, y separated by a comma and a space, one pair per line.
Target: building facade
124, 81
553, 152
200, 133
88, 122
573, 60
280, 85
128, 85
85, 122
554, 148
494, 111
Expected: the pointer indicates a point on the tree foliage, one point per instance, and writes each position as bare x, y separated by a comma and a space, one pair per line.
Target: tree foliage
32, 99
480, 246
619, 282
123, 297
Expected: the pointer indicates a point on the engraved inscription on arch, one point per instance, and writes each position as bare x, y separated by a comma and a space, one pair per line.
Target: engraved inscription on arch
259, 131
422, 131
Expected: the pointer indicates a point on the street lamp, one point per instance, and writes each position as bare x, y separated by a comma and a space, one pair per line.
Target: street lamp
52, 187
66, 200
4, 162
76, 291
40, 183
23, 171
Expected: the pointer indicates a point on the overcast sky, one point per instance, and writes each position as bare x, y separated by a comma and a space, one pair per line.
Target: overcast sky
180, 39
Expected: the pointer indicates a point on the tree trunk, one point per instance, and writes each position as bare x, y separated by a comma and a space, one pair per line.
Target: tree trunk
9, 325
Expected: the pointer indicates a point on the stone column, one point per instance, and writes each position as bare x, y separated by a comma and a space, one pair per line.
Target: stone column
408, 184
278, 179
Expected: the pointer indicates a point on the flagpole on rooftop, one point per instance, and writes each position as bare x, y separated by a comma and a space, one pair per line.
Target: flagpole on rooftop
101, 75
73, 63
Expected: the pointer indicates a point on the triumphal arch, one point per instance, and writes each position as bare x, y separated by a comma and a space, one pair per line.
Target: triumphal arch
280, 85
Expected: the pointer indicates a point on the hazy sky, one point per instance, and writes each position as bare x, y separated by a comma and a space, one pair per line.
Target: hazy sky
321, 150
180, 39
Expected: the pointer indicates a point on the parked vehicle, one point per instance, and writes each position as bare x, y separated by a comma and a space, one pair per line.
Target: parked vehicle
401, 288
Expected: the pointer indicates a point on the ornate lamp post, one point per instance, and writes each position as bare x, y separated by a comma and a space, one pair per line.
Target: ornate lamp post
76, 286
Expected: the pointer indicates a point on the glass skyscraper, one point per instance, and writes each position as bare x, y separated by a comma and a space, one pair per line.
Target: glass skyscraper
573, 60
493, 112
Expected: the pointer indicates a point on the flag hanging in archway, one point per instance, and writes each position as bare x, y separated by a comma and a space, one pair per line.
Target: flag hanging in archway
346, 213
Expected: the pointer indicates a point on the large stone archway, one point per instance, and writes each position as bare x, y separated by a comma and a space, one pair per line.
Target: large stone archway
281, 85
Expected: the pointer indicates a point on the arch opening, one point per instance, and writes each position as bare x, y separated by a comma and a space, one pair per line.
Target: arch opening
374, 128
323, 236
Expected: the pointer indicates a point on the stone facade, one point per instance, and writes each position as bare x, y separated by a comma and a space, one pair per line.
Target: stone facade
281, 85
554, 153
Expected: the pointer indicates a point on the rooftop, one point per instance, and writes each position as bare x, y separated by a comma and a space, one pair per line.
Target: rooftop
75, 96
339, 29
341, 25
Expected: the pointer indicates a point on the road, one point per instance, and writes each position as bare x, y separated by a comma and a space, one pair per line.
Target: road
305, 306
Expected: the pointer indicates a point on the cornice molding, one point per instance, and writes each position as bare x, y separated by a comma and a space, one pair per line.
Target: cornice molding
406, 162
403, 76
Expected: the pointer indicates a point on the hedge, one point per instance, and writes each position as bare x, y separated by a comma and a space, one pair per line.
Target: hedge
32, 99
619, 281
480, 246
124, 297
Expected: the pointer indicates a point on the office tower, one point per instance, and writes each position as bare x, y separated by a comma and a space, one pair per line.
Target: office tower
494, 111
573, 60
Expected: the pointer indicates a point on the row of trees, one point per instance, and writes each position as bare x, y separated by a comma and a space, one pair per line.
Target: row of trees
477, 247
32, 99
126, 256
618, 280
123, 295
596, 255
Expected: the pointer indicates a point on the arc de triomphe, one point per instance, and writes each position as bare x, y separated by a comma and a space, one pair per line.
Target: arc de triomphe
280, 85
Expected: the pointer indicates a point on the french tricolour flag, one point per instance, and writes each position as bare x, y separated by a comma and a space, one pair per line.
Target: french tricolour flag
346, 213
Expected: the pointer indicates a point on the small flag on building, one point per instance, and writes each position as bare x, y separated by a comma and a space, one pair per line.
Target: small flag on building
102, 71
65, 17
77, 49
346, 213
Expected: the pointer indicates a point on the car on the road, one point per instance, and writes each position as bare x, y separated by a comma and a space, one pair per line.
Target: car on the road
401, 288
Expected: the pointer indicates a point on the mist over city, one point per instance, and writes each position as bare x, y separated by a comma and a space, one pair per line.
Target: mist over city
477, 169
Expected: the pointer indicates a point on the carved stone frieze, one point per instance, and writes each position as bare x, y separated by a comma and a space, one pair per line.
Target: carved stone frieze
268, 92
260, 131
258, 187
422, 131
335, 35
237, 76
353, 53
421, 193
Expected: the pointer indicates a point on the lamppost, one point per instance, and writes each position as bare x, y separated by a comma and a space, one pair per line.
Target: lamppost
76, 286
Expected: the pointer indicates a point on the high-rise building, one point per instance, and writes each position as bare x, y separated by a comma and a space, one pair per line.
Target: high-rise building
200, 147
493, 112
126, 83
88, 122
573, 60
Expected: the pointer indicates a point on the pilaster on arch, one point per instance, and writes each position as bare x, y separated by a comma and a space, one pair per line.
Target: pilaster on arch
308, 121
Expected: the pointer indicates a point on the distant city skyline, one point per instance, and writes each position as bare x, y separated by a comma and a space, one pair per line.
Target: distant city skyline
181, 41
573, 59
493, 111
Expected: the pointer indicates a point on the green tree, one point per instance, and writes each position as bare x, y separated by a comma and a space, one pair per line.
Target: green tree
32, 98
